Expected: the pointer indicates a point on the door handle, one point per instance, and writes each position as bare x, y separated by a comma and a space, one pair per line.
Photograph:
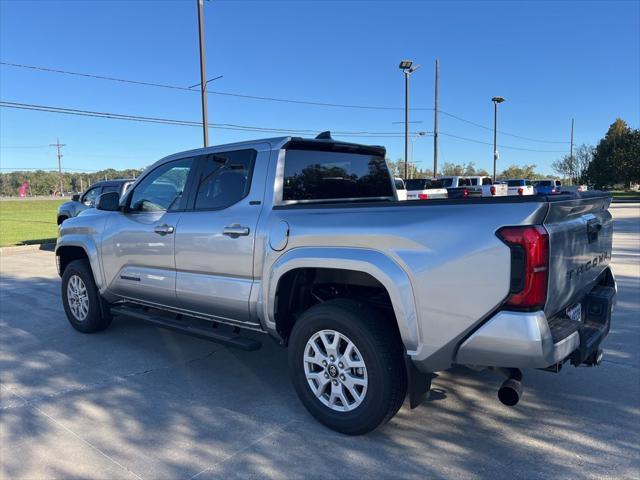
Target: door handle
164, 229
235, 230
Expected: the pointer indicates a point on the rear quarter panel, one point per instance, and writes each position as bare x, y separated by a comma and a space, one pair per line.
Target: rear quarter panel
458, 269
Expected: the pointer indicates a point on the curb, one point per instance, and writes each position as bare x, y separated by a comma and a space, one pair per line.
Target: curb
17, 249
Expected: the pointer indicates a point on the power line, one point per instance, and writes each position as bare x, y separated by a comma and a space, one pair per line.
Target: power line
501, 146
23, 146
187, 89
271, 99
242, 128
169, 121
499, 131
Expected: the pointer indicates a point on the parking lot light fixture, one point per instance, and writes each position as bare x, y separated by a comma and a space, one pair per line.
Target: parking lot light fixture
496, 101
407, 68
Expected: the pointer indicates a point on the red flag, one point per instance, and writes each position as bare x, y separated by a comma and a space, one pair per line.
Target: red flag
23, 189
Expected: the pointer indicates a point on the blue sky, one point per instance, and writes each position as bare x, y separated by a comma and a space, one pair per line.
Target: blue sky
551, 60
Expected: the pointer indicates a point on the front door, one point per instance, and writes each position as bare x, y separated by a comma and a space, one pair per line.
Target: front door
216, 235
138, 244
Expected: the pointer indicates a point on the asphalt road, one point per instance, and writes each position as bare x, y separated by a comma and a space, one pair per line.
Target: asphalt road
136, 401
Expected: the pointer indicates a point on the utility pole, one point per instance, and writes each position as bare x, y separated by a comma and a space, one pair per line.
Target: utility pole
59, 145
571, 148
203, 74
435, 123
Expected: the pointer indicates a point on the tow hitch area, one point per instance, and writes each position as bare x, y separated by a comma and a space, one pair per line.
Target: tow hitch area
597, 320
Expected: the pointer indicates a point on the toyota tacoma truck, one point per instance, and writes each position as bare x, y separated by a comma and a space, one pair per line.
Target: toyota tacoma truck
304, 241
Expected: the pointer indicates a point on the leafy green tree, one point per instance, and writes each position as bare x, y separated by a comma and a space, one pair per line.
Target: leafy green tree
520, 171
616, 159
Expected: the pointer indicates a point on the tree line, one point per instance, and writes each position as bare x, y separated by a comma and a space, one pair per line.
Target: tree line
41, 182
614, 162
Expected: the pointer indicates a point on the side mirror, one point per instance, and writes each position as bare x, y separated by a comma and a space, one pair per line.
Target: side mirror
75, 197
109, 202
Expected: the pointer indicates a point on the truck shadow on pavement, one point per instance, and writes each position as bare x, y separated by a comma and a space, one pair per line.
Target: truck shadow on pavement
136, 401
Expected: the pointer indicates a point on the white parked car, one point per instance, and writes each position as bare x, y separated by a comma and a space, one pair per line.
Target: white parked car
401, 189
474, 186
425, 189
520, 187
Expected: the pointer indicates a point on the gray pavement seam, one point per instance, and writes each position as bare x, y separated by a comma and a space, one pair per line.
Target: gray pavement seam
86, 442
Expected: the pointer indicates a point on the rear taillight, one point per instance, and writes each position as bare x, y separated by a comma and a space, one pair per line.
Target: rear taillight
553, 190
492, 190
529, 265
465, 193
423, 196
520, 190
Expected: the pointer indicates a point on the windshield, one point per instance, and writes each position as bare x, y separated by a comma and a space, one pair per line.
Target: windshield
328, 175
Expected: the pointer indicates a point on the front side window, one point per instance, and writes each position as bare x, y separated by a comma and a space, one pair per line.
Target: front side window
162, 189
224, 179
335, 175
91, 196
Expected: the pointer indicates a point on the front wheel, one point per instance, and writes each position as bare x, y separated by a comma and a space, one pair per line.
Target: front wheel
346, 364
81, 299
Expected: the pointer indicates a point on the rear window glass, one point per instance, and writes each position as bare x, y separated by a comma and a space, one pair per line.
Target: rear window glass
424, 184
322, 175
515, 183
543, 183
447, 182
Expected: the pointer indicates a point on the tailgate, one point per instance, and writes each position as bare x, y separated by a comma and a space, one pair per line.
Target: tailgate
580, 239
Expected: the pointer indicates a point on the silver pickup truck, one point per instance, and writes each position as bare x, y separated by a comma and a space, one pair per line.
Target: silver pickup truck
304, 240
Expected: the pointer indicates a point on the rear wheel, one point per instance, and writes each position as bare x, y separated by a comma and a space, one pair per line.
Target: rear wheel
81, 299
346, 364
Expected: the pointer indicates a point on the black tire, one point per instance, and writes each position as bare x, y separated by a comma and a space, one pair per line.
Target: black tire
97, 317
61, 219
381, 348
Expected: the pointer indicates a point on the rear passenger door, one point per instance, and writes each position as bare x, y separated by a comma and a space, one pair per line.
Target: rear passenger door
216, 235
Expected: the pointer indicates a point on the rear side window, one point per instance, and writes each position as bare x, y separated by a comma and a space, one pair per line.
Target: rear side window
224, 179
327, 175
111, 188
399, 184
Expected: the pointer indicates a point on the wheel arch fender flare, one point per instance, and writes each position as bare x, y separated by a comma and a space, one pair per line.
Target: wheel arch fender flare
91, 251
381, 267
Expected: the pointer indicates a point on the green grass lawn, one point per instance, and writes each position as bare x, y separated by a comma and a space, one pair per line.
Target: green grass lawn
28, 221
619, 194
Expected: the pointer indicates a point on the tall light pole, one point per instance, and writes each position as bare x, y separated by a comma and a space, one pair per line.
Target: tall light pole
435, 122
203, 74
407, 68
496, 101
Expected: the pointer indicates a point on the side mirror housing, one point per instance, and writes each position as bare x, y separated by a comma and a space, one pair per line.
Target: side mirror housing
75, 197
109, 202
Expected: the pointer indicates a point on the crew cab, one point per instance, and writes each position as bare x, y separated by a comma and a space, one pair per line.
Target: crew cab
81, 202
520, 187
304, 241
425, 189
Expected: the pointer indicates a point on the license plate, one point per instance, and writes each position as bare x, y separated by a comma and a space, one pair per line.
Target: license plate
575, 312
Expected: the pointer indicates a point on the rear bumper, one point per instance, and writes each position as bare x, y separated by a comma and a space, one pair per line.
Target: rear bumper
530, 340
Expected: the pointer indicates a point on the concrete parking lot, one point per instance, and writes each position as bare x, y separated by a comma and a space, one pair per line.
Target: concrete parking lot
136, 401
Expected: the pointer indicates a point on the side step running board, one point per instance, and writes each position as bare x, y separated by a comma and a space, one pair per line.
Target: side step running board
229, 339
